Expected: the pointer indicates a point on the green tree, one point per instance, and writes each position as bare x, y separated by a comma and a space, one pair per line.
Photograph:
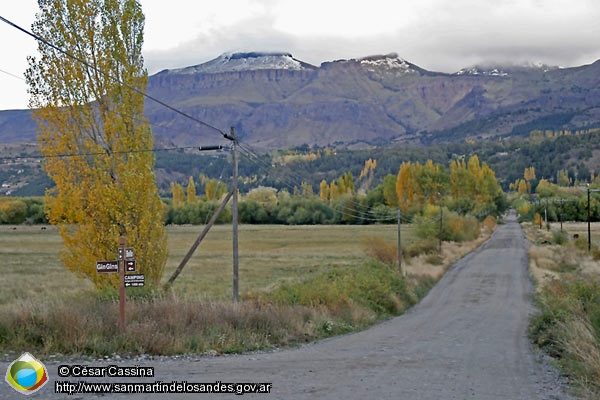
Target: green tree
389, 190
266, 197
88, 109
547, 189
432, 181
12, 211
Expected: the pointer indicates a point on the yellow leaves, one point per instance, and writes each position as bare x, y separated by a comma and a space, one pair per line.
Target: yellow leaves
406, 186
105, 187
323, 190
214, 189
336, 189
524, 187
370, 165
191, 190
529, 174
417, 184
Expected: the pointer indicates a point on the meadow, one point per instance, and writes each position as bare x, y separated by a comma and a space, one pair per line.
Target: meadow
269, 254
297, 284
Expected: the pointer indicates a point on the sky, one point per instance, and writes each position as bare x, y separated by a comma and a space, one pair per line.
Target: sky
438, 35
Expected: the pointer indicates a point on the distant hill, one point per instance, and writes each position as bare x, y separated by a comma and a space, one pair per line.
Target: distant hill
276, 101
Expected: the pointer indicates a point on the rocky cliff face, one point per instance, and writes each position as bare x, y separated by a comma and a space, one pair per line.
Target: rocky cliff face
276, 101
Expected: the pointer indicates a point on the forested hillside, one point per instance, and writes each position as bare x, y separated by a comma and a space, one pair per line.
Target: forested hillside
577, 153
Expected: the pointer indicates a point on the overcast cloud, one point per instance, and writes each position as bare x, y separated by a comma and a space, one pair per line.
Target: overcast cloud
439, 35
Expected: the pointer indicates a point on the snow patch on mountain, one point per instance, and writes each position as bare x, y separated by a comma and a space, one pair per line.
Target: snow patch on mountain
390, 62
481, 71
505, 70
234, 62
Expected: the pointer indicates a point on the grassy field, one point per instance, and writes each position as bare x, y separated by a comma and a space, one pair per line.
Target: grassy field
297, 284
269, 255
567, 280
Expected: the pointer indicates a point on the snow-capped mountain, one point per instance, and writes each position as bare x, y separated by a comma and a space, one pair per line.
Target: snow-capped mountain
275, 100
389, 62
235, 62
506, 69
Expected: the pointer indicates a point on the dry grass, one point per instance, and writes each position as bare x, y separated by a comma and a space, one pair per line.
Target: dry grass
568, 323
269, 255
45, 307
581, 344
548, 260
31, 267
451, 252
342, 287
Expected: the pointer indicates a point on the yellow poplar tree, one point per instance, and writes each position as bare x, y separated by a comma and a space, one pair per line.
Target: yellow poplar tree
324, 190
307, 190
178, 195
107, 188
334, 192
191, 190
406, 186
529, 175
370, 165
522, 188
214, 189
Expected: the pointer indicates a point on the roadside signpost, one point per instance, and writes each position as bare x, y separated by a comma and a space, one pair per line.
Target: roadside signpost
134, 280
107, 266
130, 266
125, 262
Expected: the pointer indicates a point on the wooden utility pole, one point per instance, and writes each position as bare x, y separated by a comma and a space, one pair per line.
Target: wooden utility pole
234, 212
399, 242
441, 228
121, 262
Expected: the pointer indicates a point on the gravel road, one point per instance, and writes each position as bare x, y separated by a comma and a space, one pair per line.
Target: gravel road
465, 340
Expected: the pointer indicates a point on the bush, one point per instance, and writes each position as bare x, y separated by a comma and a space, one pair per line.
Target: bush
490, 223
373, 285
559, 238
425, 246
13, 211
381, 250
455, 228
199, 213
460, 229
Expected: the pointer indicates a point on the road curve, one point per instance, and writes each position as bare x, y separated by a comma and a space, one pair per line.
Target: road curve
465, 340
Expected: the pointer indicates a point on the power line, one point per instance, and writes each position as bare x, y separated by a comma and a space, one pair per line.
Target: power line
99, 153
96, 69
11, 74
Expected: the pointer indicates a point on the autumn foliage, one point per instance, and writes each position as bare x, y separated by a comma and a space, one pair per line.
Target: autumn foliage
94, 137
470, 186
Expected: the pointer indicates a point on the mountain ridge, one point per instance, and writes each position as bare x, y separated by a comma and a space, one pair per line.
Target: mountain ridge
276, 101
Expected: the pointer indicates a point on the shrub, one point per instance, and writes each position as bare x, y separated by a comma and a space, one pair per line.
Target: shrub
13, 211
559, 237
373, 285
425, 246
460, 229
381, 250
490, 223
455, 228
